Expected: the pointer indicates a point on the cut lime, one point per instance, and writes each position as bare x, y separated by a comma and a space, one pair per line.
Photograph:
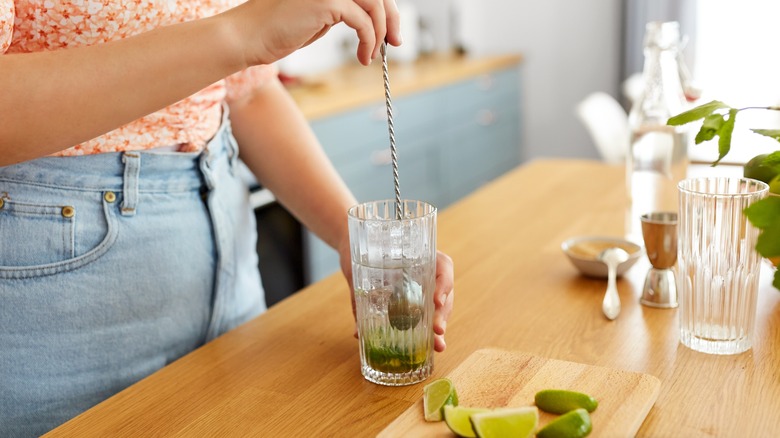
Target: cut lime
506, 422
436, 395
575, 424
559, 401
458, 419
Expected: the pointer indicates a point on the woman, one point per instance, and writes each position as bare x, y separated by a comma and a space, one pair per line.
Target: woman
126, 239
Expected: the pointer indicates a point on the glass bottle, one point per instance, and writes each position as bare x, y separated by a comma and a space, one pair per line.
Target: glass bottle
657, 158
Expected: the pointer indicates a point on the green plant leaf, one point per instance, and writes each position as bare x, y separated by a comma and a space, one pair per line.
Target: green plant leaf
776, 282
773, 133
768, 244
697, 113
764, 213
726, 129
710, 127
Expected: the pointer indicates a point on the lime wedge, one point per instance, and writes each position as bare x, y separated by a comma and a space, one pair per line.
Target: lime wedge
436, 395
458, 419
575, 424
559, 401
506, 422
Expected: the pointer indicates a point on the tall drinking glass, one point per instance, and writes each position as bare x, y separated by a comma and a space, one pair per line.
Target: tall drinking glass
718, 264
394, 275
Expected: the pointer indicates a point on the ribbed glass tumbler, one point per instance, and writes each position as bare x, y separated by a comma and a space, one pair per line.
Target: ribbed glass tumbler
718, 263
394, 275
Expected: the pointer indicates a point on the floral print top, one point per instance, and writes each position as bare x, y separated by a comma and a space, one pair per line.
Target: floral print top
37, 25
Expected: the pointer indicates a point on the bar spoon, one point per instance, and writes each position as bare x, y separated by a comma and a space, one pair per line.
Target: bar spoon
612, 257
405, 306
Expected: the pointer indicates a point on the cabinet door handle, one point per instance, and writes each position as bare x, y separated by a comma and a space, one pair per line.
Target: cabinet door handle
382, 157
486, 117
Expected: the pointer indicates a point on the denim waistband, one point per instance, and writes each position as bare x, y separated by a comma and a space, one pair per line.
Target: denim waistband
155, 171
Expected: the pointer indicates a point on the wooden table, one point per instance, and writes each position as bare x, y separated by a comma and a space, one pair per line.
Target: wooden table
294, 371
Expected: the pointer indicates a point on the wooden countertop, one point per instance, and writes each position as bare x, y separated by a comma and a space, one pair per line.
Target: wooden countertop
294, 371
354, 85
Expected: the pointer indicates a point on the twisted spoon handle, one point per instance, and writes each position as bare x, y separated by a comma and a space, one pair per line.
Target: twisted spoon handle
393, 153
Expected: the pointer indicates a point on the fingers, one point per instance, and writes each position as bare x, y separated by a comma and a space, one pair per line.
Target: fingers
438, 343
346, 268
445, 274
376, 10
374, 21
348, 274
393, 36
443, 313
444, 298
358, 19
317, 35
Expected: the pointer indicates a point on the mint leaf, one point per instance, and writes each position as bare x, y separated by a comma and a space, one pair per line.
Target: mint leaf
773, 133
710, 128
764, 213
725, 131
768, 244
697, 113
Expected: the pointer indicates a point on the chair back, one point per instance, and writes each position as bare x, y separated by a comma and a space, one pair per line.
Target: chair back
607, 124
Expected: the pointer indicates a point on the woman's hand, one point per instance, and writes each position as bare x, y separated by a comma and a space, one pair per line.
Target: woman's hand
272, 29
443, 298
443, 294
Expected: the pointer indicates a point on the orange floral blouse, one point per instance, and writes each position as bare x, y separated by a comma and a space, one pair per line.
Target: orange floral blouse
37, 25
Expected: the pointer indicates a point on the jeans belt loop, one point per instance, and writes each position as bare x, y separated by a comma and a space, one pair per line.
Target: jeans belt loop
132, 162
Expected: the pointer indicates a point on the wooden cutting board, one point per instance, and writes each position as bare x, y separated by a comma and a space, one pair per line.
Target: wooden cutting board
496, 378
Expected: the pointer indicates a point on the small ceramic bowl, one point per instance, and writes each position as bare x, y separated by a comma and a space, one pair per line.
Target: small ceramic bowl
583, 253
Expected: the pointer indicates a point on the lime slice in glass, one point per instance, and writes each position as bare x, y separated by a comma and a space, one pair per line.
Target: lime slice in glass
506, 422
436, 395
458, 419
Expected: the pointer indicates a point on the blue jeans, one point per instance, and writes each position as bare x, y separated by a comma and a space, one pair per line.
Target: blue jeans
112, 266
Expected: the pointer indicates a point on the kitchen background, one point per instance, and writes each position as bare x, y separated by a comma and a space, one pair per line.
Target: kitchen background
569, 50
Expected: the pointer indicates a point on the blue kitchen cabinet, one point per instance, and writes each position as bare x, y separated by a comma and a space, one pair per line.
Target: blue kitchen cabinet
450, 141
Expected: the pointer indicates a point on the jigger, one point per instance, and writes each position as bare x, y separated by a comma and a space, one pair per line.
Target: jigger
659, 231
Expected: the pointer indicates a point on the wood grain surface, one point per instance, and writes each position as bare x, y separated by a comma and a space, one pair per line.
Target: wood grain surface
294, 371
495, 378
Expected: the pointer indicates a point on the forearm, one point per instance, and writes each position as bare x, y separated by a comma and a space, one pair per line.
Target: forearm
53, 100
281, 150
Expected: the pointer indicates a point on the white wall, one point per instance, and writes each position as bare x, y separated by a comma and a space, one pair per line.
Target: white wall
571, 48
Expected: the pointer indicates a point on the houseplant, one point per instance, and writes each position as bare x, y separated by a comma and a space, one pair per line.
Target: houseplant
718, 121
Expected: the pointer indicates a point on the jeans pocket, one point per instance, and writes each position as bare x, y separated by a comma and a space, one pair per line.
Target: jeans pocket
44, 238
35, 234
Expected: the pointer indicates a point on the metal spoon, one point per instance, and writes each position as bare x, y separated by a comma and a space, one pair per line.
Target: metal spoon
612, 257
404, 309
